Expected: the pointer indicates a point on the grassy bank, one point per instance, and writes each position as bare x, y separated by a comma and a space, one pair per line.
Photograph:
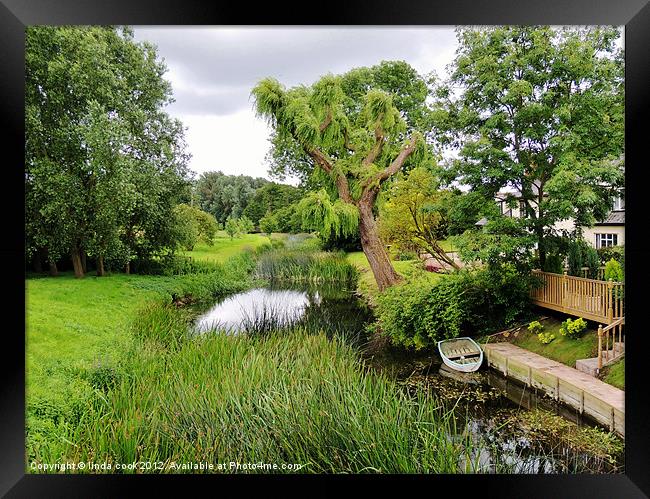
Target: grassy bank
615, 374
78, 329
367, 286
286, 399
561, 349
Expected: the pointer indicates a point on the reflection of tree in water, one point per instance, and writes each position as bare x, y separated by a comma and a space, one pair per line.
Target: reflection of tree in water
334, 310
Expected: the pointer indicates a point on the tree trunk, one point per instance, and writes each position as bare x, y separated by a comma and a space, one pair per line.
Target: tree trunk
127, 268
76, 262
83, 261
541, 250
374, 250
38, 266
53, 270
100, 266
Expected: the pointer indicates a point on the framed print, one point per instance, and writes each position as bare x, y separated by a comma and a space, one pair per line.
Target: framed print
382, 245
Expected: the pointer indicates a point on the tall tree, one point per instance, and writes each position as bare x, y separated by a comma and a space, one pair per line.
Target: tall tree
226, 195
67, 69
348, 134
538, 110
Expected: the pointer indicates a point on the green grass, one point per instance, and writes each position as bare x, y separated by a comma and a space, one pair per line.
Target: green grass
78, 329
561, 349
615, 374
224, 247
298, 398
305, 266
367, 286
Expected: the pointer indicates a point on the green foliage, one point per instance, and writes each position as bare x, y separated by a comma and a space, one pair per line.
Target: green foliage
226, 196
501, 241
232, 227
535, 327
104, 163
573, 328
271, 198
614, 271
528, 106
592, 262
302, 265
414, 214
319, 213
545, 337
575, 257
298, 398
607, 253
582, 254
554, 263
419, 313
245, 224
268, 223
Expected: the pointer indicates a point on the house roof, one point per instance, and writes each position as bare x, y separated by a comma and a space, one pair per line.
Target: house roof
614, 218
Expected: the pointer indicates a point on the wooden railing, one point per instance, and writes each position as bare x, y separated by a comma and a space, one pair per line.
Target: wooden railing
615, 331
585, 271
601, 301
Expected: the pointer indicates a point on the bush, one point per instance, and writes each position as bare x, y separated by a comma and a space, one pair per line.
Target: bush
421, 312
535, 327
614, 271
573, 328
546, 337
608, 253
592, 262
554, 264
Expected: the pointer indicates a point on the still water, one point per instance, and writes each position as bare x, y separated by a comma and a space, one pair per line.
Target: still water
487, 407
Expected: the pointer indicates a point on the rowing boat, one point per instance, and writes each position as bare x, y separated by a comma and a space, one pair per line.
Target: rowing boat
462, 354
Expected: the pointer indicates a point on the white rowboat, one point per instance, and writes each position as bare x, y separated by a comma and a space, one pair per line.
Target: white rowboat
462, 354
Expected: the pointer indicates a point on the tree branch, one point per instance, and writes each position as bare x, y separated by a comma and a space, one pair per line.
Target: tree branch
376, 148
326, 123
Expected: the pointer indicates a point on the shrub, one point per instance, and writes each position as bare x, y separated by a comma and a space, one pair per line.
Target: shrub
611, 252
545, 337
614, 271
573, 328
592, 262
535, 327
575, 257
554, 264
421, 312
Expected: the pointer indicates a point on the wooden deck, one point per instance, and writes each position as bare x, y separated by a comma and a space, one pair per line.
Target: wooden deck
588, 395
600, 301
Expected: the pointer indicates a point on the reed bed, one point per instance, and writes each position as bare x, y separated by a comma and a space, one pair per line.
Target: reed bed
284, 399
305, 266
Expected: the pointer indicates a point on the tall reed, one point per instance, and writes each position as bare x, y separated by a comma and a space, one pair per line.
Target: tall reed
297, 398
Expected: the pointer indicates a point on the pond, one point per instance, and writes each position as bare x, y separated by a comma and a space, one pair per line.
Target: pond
513, 428
332, 309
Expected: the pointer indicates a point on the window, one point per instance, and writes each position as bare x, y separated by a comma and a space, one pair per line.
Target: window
605, 240
522, 208
619, 204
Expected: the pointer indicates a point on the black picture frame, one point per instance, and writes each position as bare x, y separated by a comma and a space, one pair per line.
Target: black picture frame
15, 15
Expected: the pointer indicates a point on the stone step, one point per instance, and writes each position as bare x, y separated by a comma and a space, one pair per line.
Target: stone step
590, 366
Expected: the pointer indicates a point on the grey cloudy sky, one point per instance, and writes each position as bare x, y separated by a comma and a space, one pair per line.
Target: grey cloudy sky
213, 69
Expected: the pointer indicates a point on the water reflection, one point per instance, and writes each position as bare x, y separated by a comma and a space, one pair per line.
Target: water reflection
333, 310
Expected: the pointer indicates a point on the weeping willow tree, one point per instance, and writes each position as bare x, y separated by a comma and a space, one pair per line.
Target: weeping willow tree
358, 139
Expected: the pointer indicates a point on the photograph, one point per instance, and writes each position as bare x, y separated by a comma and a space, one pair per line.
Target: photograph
325, 249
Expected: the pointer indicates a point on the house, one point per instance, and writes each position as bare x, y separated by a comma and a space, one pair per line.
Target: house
608, 232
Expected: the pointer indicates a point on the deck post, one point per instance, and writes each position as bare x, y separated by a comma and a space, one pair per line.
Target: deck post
565, 290
600, 347
610, 300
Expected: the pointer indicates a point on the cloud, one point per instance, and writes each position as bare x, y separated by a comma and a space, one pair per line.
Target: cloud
213, 69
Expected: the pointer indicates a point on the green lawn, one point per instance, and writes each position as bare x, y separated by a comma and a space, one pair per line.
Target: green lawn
224, 247
561, 349
615, 374
367, 285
